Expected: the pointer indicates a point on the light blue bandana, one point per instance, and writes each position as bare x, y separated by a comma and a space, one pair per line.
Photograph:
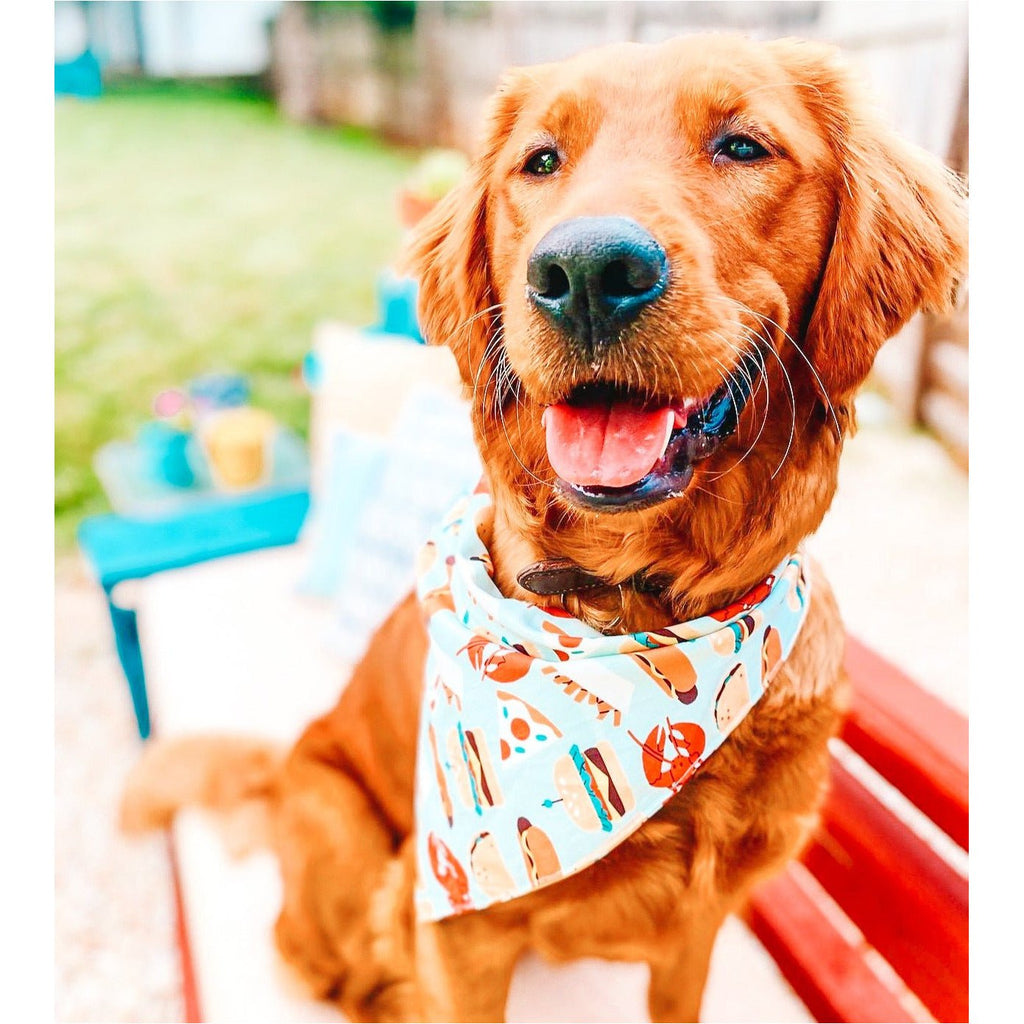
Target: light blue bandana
543, 743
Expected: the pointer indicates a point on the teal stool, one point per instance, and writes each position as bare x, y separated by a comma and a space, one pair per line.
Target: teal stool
396, 306
119, 548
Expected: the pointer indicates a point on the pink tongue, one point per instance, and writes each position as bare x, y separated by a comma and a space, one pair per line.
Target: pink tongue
606, 444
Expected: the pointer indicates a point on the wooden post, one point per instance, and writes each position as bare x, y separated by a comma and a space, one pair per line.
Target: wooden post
430, 25
621, 21
941, 388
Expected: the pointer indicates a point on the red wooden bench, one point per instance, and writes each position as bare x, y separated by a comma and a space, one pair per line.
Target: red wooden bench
872, 923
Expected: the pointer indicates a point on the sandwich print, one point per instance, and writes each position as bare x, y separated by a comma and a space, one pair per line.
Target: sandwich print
593, 787
476, 780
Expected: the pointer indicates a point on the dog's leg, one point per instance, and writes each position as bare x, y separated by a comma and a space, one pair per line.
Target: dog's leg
465, 966
678, 974
335, 853
395, 994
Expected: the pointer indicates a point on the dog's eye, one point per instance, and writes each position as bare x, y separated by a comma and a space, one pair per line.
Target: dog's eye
741, 149
544, 161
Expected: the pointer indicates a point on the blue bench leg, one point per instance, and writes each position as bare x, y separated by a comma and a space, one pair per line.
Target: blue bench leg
126, 636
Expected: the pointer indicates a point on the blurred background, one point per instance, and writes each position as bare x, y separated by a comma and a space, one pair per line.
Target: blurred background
237, 367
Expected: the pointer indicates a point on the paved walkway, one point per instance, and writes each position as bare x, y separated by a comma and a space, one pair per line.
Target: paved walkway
895, 546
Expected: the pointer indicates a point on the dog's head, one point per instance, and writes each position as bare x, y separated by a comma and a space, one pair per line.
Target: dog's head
663, 278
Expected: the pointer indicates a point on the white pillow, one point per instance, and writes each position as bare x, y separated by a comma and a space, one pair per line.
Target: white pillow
362, 380
359, 383
432, 461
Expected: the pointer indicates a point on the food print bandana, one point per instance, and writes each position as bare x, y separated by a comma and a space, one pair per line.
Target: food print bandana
544, 743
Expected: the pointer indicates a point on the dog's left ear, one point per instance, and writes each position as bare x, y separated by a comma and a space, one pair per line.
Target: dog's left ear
448, 252
900, 240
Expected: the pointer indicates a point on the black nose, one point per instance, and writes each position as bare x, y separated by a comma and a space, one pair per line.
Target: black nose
591, 276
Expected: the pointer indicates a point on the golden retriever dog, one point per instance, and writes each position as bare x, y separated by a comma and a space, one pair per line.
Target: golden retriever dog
715, 227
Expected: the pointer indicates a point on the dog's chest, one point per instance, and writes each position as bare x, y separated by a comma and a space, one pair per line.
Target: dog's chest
690, 865
623, 907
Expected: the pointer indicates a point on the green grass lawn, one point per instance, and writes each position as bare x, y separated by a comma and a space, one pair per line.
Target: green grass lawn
195, 231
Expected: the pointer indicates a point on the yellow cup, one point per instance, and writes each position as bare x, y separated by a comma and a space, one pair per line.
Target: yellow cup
238, 444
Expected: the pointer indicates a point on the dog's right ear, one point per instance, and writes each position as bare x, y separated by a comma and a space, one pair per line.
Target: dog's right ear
448, 252
900, 240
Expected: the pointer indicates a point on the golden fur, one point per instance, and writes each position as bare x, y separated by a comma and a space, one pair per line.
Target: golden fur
815, 256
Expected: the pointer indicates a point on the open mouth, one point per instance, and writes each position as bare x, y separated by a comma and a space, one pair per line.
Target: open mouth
615, 451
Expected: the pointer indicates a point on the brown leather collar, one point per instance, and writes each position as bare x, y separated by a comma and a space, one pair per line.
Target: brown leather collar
563, 576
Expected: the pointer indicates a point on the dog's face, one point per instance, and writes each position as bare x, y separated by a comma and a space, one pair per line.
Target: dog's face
655, 230
664, 277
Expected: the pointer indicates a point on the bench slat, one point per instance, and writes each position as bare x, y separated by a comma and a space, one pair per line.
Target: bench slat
910, 738
189, 984
909, 903
827, 971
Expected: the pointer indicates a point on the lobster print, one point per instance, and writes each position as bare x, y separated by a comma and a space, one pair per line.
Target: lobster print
669, 771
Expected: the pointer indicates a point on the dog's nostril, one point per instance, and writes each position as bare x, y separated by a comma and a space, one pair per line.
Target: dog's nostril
557, 284
618, 282
630, 277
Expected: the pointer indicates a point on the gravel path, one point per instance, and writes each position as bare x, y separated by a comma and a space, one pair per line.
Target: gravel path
114, 923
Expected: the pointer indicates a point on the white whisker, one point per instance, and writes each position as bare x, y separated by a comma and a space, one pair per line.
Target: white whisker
803, 355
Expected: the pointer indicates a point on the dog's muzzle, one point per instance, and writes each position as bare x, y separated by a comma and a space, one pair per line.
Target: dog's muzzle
589, 277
